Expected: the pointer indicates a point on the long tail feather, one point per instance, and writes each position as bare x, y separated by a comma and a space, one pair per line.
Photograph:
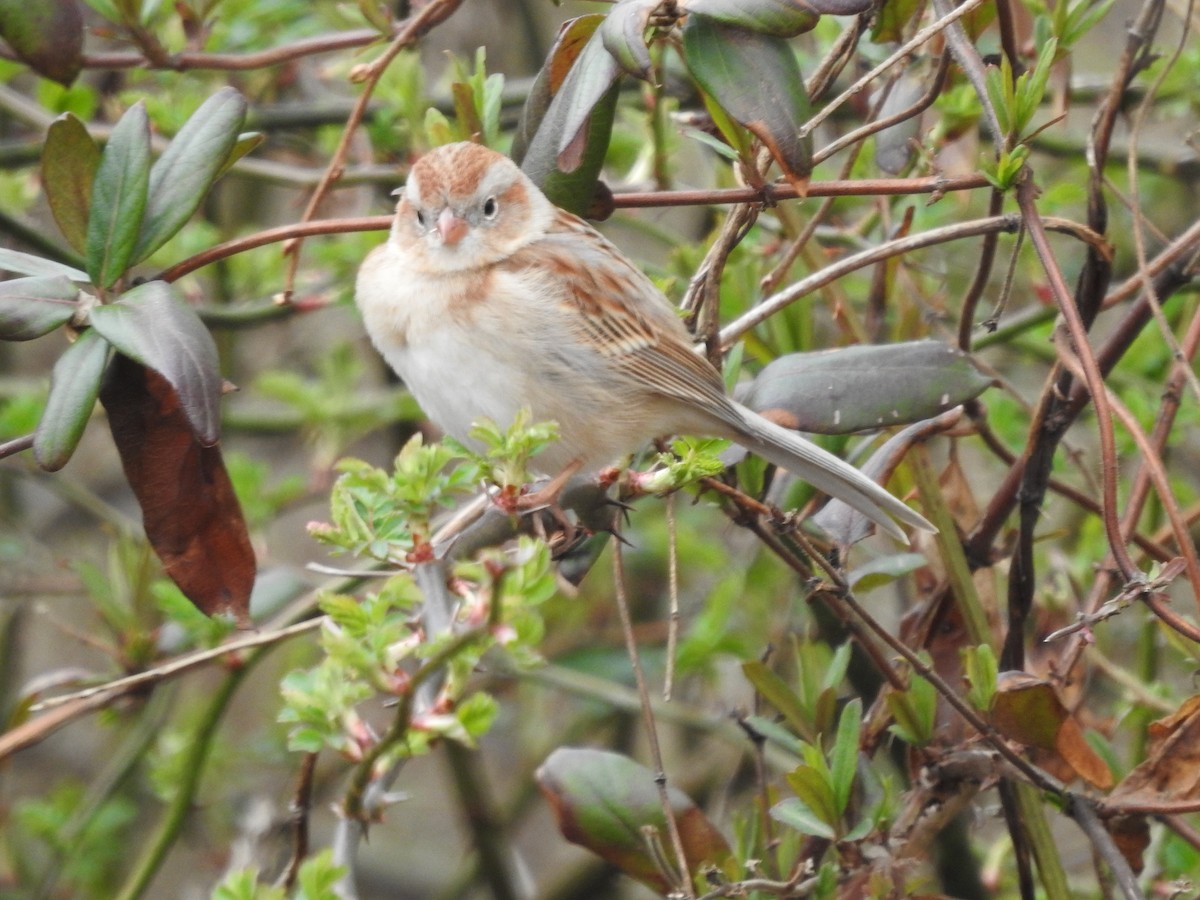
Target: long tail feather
825, 472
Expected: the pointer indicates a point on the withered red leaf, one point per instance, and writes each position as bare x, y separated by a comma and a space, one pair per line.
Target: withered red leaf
191, 515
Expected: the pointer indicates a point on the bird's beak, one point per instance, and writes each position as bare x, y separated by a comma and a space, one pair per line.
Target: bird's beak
451, 227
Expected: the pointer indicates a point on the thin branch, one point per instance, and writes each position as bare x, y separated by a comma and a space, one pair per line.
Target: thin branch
929, 31
771, 305
639, 676
1095, 379
430, 15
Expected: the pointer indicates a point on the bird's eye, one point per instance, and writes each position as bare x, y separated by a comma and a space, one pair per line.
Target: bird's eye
421, 218
490, 208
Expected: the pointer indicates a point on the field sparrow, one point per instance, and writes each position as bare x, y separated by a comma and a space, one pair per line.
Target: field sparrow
487, 298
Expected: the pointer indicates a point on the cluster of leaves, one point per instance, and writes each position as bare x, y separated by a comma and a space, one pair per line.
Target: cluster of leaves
140, 349
737, 52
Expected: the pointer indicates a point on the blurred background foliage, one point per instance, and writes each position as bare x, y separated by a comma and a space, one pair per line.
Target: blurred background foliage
768, 678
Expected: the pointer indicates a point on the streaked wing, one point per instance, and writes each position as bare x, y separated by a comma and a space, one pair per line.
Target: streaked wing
619, 312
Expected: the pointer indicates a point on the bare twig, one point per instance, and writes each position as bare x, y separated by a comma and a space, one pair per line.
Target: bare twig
431, 14
639, 675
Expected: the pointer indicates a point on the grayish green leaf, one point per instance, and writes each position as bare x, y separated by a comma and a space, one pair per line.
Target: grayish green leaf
74, 385
154, 326
119, 198
31, 307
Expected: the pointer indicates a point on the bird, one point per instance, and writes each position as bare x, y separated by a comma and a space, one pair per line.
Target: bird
486, 298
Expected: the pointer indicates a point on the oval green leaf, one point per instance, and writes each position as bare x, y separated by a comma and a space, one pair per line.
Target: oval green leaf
31, 307
74, 386
47, 35
69, 161
755, 78
119, 198
154, 326
603, 800
866, 386
186, 170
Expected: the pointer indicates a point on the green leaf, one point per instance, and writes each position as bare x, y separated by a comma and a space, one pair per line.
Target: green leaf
980, 668
775, 691
915, 711
31, 307
45, 34
27, 264
813, 789
69, 161
884, 570
566, 152
246, 142
866, 386
604, 801
153, 325
843, 758
775, 733
755, 78
119, 198
796, 814
780, 18
624, 35
186, 170
74, 385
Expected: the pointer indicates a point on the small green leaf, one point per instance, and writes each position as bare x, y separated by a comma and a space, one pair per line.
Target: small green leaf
28, 264
843, 758
153, 325
981, 668
31, 307
915, 712
119, 198
755, 78
246, 142
186, 170
813, 789
795, 814
775, 691
884, 570
74, 385
69, 161
45, 34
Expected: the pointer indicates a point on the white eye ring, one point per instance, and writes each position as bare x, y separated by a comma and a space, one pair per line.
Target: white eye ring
490, 208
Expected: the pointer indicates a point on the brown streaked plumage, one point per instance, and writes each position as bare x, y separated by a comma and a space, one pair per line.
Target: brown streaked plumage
486, 298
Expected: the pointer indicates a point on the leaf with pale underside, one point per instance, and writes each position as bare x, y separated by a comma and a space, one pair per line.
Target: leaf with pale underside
567, 150
28, 264
623, 33
755, 78
153, 325
74, 385
31, 307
